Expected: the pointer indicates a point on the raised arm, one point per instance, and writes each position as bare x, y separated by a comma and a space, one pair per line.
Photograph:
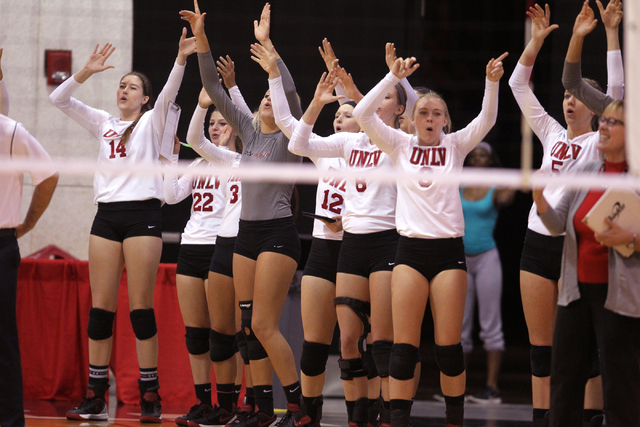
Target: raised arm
572, 79
412, 96
87, 117
474, 132
536, 116
4, 95
196, 139
385, 137
611, 18
227, 69
186, 47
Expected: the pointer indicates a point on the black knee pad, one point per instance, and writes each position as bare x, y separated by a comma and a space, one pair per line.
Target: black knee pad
450, 359
143, 322
314, 358
197, 340
381, 351
403, 360
370, 364
351, 368
595, 365
362, 309
541, 360
100, 324
221, 346
254, 347
242, 347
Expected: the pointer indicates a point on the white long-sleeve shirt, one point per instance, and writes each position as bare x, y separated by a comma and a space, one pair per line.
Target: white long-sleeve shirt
426, 209
560, 154
143, 146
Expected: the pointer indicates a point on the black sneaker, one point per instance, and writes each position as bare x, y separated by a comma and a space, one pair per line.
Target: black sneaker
252, 419
242, 415
199, 410
487, 396
217, 416
289, 418
91, 408
150, 407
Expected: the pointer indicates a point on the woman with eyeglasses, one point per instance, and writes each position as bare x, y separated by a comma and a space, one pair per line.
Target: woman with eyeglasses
599, 295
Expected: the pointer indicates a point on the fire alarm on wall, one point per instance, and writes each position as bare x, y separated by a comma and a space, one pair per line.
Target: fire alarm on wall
57, 64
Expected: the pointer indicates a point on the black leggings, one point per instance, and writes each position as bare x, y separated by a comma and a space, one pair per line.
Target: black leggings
581, 326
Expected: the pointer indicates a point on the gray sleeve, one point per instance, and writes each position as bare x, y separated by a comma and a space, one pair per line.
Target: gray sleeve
290, 90
572, 81
555, 218
238, 119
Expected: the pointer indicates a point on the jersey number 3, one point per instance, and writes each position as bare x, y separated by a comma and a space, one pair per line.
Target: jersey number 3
120, 149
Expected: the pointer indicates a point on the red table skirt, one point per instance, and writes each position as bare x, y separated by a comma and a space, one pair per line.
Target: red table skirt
54, 298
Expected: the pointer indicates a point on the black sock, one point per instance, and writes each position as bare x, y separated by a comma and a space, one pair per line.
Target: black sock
292, 393
454, 412
99, 380
350, 405
310, 408
249, 398
263, 395
225, 396
588, 414
203, 393
237, 388
539, 413
403, 405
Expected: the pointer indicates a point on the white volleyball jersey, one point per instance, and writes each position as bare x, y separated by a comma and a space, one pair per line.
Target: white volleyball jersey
207, 205
560, 154
143, 146
370, 205
426, 209
218, 156
330, 196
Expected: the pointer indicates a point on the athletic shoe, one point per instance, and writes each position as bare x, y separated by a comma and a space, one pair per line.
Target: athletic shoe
150, 408
91, 408
243, 413
197, 411
595, 421
289, 418
252, 419
216, 416
487, 396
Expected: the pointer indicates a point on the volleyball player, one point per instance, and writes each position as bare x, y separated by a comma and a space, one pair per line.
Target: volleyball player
128, 225
368, 248
563, 150
267, 249
430, 259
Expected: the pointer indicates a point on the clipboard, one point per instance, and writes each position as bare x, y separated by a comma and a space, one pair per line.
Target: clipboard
170, 128
621, 207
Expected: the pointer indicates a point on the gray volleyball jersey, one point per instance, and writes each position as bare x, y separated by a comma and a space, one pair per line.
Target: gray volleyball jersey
260, 200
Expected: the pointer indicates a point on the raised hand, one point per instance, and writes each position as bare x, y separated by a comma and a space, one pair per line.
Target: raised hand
349, 87
261, 30
612, 15
225, 136
329, 57
186, 47
324, 89
585, 21
96, 62
267, 58
495, 69
204, 101
403, 68
227, 70
390, 54
540, 27
195, 19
